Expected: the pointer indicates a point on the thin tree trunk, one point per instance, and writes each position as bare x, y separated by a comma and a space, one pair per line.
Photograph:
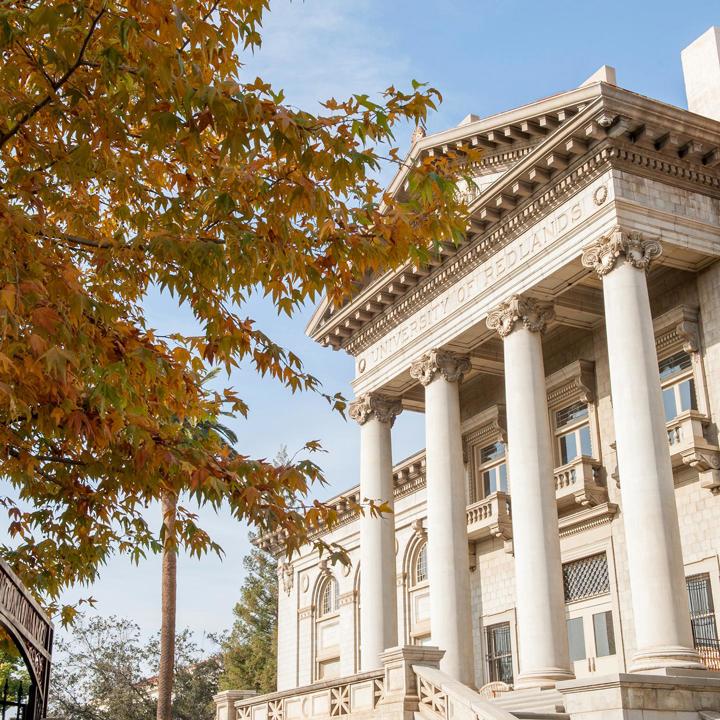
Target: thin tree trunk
169, 607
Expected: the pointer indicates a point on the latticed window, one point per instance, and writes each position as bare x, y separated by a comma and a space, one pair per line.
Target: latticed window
702, 610
586, 578
421, 565
329, 597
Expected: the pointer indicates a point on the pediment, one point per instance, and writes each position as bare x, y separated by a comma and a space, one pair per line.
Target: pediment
530, 155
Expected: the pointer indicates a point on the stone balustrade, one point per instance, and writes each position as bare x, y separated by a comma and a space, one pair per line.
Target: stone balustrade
356, 695
577, 482
490, 517
442, 698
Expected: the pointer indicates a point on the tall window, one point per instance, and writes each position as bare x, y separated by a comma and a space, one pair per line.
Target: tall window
678, 385
327, 630
499, 655
329, 597
419, 596
572, 429
491, 469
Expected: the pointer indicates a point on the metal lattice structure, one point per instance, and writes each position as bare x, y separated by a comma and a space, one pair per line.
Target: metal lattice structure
31, 630
586, 578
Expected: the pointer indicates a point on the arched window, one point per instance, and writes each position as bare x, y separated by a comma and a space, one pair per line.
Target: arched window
421, 566
327, 628
418, 595
328, 597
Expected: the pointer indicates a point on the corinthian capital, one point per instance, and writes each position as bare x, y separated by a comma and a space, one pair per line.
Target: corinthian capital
602, 255
451, 365
382, 407
533, 315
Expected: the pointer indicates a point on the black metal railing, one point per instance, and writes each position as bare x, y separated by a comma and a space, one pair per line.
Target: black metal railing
14, 701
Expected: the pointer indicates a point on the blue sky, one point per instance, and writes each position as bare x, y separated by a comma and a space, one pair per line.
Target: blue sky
484, 56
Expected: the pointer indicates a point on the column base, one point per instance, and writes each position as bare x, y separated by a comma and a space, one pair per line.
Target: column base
543, 678
660, 658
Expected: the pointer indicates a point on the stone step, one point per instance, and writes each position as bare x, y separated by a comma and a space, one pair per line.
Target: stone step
527, 715
541, 702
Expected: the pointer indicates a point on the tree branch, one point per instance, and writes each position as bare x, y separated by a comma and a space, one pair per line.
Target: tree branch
56, 85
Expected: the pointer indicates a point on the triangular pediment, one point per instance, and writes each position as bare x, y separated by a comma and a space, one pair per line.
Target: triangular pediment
527, 153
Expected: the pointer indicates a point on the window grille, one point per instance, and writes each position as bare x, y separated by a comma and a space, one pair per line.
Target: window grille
702, 619
674, 364
500, 653
586, 578
421, 566
571, 414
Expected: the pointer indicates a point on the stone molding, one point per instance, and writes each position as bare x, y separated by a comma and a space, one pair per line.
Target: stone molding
382, 407
452, 366
287, 576
602, 255
575, 382
677, 328
533, 315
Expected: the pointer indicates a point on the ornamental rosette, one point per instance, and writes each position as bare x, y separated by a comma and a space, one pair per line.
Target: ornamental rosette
452, 366
602, 255
534, 315
382, 407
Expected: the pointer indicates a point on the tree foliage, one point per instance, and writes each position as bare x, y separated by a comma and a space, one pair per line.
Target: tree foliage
250, 651
105, 671
136, 156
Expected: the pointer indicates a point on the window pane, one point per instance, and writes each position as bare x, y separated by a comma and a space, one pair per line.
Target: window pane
669, 404
488, 481
502, 470
421, 569
568, 448
492, 452
571, 414
585, 444
686, 390
674, 364
576, 639
604, 634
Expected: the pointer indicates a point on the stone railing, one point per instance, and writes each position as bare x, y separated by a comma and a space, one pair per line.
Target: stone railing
577, 482
442, 698
490, 517
353, 695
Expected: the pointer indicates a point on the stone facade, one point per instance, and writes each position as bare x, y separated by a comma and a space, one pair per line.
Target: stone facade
558, 539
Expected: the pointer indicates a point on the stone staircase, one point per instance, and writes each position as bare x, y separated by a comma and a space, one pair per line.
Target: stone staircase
533, 704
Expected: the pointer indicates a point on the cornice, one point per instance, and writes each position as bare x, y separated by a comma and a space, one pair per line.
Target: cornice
471, 256
679, 145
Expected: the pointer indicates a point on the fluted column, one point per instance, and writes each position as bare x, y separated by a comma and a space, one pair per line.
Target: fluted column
542, 634
378, 604
450, 615
663, 634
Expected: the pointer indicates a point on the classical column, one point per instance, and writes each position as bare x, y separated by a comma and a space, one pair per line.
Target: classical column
657, 579
378, 602
450, 616
542, 634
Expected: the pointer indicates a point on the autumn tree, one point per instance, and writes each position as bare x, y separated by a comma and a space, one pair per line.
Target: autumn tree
137, 156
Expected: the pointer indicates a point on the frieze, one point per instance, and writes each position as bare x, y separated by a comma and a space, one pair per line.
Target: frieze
606, 155
486, 261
